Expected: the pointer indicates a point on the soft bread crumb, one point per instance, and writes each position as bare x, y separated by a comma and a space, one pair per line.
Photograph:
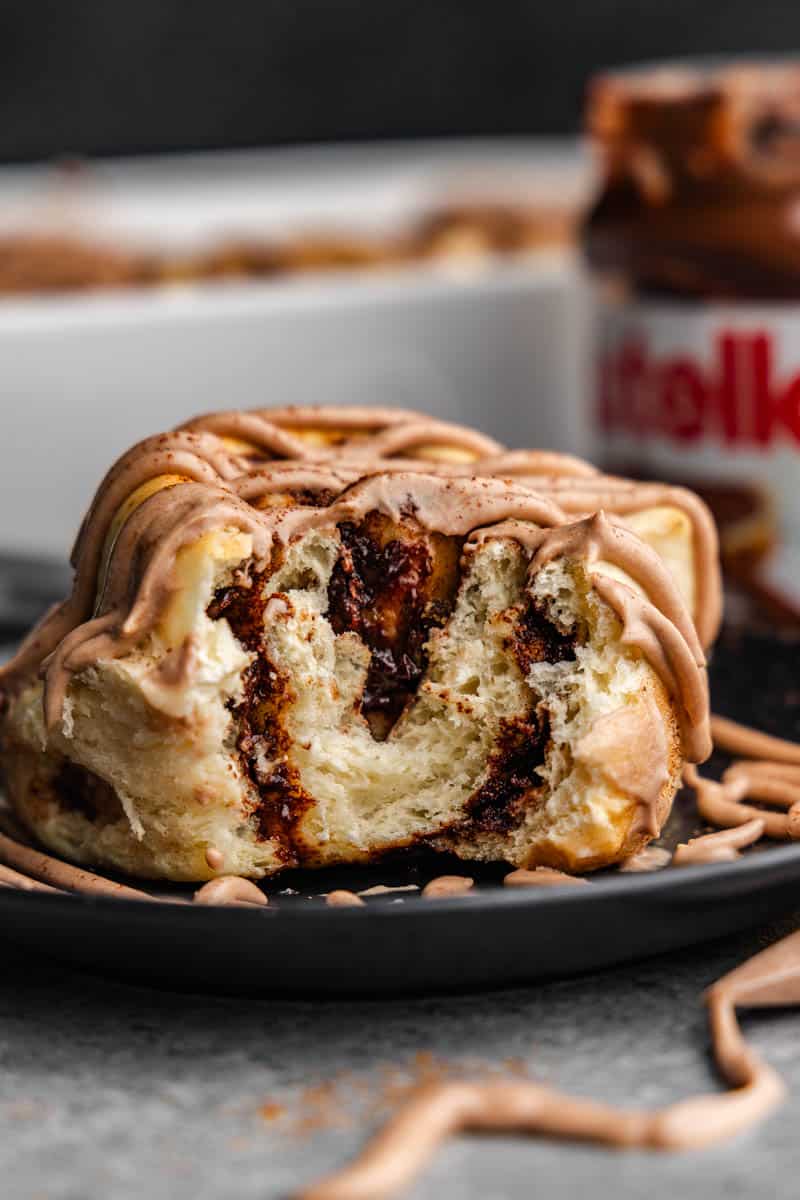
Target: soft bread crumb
179, 782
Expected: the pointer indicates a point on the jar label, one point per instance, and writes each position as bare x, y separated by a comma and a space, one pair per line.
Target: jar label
709, 395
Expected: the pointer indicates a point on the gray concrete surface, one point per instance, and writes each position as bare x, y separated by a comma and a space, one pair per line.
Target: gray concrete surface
109, 1092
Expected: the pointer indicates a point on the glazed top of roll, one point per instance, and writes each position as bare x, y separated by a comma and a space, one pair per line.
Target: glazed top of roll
219, 473
354, 441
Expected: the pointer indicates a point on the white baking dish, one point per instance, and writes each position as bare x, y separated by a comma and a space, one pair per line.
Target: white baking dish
497, 344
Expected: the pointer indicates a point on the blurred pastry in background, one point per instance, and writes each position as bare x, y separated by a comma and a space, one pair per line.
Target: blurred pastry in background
476, 230
53, 261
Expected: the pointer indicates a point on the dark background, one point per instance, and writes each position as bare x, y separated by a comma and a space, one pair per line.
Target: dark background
102, 76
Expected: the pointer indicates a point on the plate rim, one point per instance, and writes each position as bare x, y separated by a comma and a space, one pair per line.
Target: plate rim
647, 884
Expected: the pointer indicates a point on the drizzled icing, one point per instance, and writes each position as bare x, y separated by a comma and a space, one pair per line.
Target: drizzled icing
651, 858
540, 877
624, 498
577, 488
124, 571
608, 745
577, 494
752, 743
656, 622
724, 846
193, 454
440, 1110
341, 898
33, 864
776, 783
230, 889
369, 433
447, 885
24, 883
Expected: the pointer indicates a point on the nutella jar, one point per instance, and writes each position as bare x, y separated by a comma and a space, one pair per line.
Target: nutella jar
694, 241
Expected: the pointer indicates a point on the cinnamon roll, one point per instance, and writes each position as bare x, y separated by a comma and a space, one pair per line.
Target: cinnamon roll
308, 637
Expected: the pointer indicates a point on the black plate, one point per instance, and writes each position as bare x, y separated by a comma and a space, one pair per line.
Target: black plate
399, 942
494, 938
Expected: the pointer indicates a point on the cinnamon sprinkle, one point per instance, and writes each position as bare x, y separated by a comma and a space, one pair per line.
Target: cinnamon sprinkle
349, 1098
